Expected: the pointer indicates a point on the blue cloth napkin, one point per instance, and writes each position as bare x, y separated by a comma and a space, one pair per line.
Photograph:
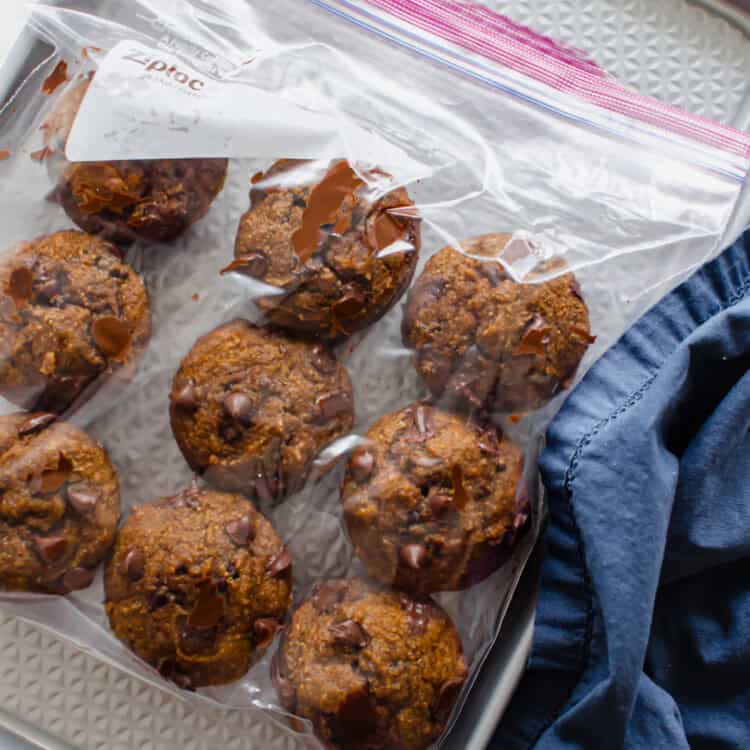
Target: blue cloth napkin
642, 639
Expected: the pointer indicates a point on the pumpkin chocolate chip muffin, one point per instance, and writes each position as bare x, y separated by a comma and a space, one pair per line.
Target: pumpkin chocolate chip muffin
483, 340
198, 586
251, 409
430, 500
70, 312
59, 504
340, 250
373, 669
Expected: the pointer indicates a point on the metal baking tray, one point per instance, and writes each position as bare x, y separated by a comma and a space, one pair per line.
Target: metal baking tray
56, 697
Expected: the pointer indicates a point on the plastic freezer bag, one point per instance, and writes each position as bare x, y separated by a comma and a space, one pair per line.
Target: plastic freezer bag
340, 262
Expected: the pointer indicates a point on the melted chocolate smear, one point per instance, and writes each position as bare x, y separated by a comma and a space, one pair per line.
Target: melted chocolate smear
78, 578
51, 548
362, 464
325, 200
241, 531
255, 265
208, 610
186, 398
52, 480
385, 228
279, 564
460, 495
35, 423
84, 503
349, 634
535, 338
56, 78
266, 628
357, 717
111, 336
20, 286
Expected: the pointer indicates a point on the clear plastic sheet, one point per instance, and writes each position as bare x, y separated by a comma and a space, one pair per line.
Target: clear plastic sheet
631, 197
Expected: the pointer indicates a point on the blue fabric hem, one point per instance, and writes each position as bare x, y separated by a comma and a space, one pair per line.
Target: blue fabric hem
620, 380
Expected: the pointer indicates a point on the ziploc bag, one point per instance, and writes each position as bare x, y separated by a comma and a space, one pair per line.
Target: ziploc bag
466, 215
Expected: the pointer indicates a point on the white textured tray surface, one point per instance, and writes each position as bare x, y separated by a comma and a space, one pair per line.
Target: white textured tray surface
671, 49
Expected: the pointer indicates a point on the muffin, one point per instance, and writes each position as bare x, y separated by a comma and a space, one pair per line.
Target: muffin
339, 248
59, 505
154, 200
71, 312
372, 669
430, 500
198, 586
484, 341
251, 409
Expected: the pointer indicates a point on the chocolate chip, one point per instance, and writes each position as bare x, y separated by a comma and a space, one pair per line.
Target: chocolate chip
241, 531
111, 336
239, 407
158, 600
583, 333
20, 286
349, 306
183, 681
51, 548
299, 202
83, 502
35, 423
413, 556
460, 495
447, 698
134, 565
78, 578
266, 628
362, 464
416, 614
331, 405
357, 717
326, 596
253, 264
534, 338
423, 421
47, 288
285, 689
488, 444
186, 399
323, 360
208, 609
279, 564
493, 272
439, 504
349, 634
